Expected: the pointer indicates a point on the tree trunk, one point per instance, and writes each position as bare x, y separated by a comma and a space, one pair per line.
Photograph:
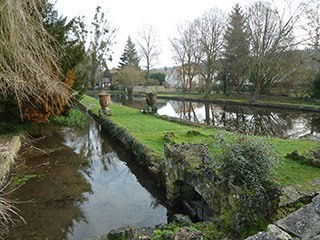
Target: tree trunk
207, 111
207, 89
129, 91
190, 85
256, 93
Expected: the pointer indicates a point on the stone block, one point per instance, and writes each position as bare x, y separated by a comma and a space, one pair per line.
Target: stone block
304, 223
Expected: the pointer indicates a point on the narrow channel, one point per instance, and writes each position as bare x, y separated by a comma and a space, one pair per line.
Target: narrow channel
85, 185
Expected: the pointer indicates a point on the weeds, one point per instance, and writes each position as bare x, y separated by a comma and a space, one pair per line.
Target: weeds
7, 211
74, 118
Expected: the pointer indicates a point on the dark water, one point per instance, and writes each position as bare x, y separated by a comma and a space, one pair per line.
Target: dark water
87, 185
282, 123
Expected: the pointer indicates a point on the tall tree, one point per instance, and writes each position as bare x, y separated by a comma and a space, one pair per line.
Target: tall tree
271, 41
129, 55
313, 28
186, 50
210, 31
149, 47
102, 39
71, 50
236, 53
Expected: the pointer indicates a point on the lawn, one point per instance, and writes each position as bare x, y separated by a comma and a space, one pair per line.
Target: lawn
150, 130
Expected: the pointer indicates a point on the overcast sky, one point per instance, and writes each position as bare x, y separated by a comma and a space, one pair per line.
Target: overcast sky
129, 16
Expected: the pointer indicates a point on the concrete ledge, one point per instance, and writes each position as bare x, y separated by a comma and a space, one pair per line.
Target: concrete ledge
8, 152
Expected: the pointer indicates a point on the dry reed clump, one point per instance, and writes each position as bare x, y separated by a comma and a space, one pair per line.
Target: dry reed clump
28, 64
7, 211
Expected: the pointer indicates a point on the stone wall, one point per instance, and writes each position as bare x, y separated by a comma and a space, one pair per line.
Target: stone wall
302, 224
194, 182
9, 148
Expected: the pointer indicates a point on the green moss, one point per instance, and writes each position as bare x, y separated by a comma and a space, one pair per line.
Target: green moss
209, 230
258, 226
18, 181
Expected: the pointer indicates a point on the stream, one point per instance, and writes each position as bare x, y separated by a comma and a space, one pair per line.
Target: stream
82, 185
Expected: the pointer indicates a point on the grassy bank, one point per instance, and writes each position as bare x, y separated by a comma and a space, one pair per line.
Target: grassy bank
151, 130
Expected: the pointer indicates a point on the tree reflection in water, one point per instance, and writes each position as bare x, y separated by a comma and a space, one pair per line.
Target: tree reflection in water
282, 123
247, 119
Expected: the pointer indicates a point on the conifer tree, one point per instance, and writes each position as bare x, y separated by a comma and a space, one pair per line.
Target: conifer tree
236, 50
129, 56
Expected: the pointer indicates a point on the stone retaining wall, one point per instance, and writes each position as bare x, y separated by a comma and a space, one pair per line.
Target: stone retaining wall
9, 149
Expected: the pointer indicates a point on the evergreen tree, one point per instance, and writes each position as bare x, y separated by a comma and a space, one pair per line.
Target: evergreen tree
236, 50
71, 52
129, 56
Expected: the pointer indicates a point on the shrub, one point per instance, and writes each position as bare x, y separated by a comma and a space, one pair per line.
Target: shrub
246, 165
74, 118
247, 161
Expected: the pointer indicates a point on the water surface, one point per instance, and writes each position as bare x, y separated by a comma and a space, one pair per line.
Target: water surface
86, 185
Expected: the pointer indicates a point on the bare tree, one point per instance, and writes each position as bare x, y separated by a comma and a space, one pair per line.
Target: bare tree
271, 40
149, 47
210, 30
186, 52
102, 38
313, 27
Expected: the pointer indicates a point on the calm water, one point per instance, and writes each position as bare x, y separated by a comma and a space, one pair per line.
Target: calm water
244, 119
88, 186
117, 197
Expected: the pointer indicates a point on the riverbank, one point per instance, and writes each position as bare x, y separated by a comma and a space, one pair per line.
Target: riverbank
280, 102
151, 132
146, 135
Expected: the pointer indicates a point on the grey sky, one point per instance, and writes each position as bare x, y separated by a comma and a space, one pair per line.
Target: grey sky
128, 17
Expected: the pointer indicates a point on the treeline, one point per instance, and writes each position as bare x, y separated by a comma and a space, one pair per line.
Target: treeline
262, 48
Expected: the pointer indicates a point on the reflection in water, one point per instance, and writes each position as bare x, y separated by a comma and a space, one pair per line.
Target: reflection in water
243, 119
83, 189
247, 120
117, 198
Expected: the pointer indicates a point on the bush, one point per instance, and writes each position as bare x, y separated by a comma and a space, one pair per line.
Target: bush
74, 118
247, 161
252, 195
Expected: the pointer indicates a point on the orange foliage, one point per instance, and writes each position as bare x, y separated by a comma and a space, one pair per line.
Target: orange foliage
40, 109
70, 78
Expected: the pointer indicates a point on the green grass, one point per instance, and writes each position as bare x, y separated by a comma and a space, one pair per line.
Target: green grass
18, 181
150, 131
75, 118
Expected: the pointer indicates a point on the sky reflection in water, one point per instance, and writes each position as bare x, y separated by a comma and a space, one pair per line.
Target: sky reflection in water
117, 198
